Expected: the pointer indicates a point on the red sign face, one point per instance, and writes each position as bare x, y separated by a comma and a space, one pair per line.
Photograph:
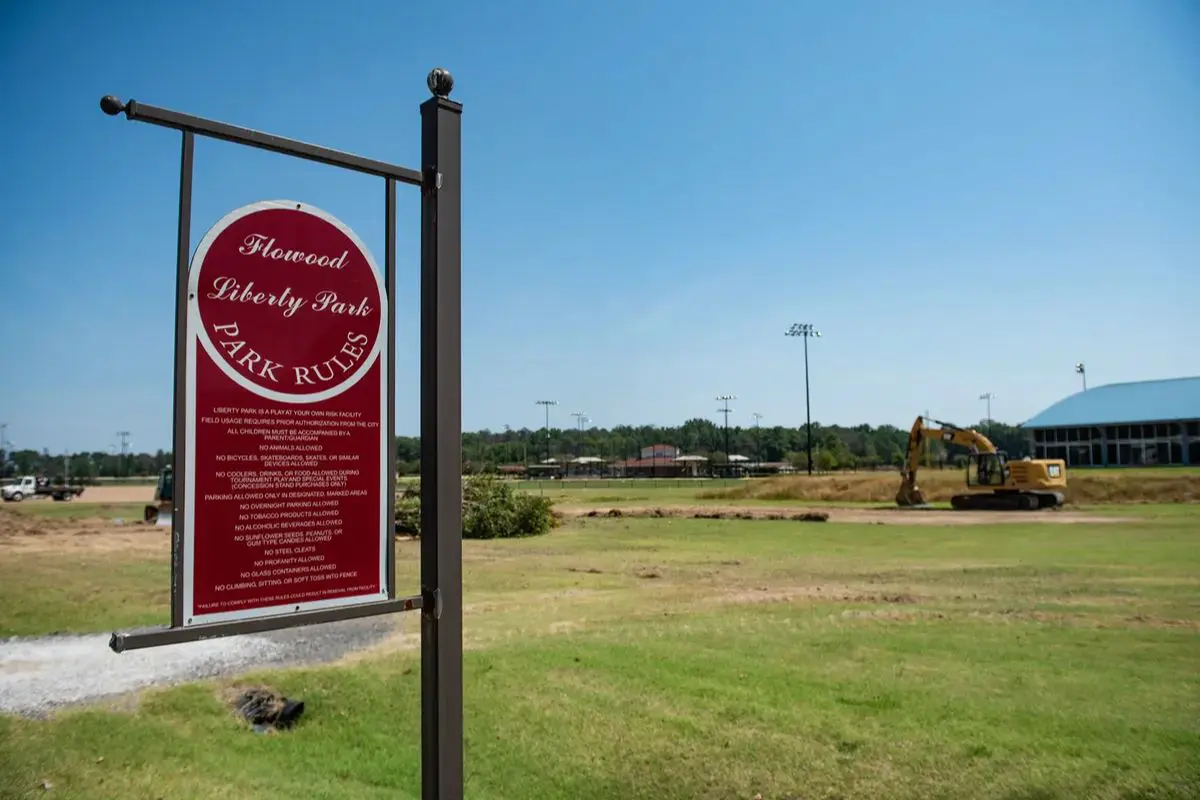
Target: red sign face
285, 501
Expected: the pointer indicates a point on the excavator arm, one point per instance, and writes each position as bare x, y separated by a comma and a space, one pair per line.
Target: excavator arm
909, 493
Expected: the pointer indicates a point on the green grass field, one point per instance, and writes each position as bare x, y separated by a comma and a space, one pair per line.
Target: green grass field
673, 658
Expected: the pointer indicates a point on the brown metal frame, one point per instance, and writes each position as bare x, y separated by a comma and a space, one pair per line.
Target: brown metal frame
440, 598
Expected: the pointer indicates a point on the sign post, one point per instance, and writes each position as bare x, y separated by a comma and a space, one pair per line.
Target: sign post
284, 418
441, 440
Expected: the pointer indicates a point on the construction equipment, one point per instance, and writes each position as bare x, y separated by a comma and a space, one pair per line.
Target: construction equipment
163, 509
40, 486
997, 484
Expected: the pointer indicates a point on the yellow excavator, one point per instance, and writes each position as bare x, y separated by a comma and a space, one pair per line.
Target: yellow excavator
162, 510
996, 483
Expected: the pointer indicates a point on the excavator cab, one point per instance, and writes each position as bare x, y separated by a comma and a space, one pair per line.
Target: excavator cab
161, 512
987, 469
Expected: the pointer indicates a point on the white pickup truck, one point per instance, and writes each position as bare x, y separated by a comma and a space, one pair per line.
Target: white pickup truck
30, 486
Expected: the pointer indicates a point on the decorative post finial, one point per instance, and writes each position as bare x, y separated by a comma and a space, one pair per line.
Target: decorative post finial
111, 105
440, 82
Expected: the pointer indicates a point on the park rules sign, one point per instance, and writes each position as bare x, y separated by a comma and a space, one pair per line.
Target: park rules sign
286, 408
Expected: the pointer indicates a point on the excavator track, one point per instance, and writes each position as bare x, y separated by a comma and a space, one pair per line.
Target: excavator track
1006, 501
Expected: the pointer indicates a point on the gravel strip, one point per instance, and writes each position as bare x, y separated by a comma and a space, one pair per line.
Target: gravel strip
40, 675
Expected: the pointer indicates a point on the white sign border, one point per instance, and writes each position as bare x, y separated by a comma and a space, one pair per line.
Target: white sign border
193, 332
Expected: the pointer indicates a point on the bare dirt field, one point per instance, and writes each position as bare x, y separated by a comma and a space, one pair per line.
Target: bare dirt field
882, 515
118, 494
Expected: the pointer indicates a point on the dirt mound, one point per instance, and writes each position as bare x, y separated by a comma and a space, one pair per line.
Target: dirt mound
882, 515
939, 485
14, 525
807, 515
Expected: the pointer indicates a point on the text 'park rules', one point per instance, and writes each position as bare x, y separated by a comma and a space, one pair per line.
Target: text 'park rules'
285, 508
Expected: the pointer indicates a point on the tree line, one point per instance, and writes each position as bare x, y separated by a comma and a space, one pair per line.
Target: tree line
83, 465
835, 447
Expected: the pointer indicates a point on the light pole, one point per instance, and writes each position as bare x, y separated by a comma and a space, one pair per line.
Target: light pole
725, 409
987, 397
808, 331
757, 439
1082, 371
580, 418
547, 404
124, 436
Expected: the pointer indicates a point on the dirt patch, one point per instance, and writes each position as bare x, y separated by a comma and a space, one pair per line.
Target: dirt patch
882, 515
824, 593
31, 534
1162, 622
1079, 619
612, 512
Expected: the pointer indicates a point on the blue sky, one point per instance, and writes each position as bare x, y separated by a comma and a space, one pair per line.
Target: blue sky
963, 196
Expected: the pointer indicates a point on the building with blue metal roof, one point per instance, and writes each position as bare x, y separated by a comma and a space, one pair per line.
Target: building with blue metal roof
1144, 423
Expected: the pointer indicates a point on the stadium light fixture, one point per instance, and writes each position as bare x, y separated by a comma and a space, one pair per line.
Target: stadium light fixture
807, 331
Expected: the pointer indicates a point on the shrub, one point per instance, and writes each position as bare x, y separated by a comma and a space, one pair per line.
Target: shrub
491, 509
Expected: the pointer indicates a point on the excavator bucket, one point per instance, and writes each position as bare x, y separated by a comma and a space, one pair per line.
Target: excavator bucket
160, 516
162, 510
909, 494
